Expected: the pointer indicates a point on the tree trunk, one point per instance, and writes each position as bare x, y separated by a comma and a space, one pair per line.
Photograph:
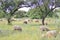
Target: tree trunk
9, 21
43, 19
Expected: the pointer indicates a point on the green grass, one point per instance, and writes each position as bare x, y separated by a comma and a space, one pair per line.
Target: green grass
30, 31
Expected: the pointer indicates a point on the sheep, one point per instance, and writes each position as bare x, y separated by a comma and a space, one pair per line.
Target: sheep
44, 28
16, 27
25, 22
36, 20
49, 34
30, 20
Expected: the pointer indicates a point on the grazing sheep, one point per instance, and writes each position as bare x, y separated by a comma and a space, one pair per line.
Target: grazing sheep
30, 20
25, 22
49, 34
16, 27
44, 28
36, 20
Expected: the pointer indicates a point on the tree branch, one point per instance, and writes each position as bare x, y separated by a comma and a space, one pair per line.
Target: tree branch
49, 12
12, 13
41, 9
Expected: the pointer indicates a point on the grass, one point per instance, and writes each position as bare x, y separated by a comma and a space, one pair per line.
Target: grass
30, 31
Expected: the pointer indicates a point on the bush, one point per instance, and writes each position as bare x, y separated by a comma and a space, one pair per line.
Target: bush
20, 14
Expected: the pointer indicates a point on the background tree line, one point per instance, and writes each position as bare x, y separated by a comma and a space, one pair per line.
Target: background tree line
43, 9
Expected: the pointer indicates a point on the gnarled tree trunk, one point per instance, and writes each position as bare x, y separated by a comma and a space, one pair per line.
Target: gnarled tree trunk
43, 19
9, 21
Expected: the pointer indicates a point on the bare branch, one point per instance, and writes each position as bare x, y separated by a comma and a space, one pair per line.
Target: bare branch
49, 11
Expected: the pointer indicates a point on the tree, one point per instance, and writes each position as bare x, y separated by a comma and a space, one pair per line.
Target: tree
49, 6
2, 15
57, 3
44, 8
36, 13
9, 7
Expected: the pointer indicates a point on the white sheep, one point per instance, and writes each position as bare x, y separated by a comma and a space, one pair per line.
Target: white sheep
17, 27
36, 20
44, 28
49, 34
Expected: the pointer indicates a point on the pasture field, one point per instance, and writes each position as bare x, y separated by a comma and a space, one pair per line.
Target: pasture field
30, 31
